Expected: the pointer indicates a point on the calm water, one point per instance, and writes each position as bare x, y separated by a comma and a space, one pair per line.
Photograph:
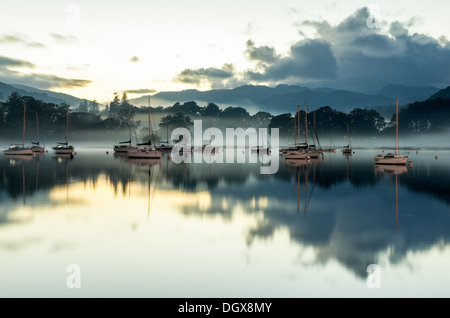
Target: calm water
224, 230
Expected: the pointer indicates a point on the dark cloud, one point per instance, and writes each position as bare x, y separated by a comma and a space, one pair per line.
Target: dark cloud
9, 62
16, 39
141, 91
369, 58
307, 60
355, 54
212, 75
134, 59
262, 54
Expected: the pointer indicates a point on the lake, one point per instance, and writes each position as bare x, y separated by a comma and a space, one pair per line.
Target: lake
161, 229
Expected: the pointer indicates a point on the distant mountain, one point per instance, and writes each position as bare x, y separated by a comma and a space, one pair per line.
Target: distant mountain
407, 94
443, 93
44, 95
275, 100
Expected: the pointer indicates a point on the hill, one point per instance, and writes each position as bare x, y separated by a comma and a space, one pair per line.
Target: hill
285, 98
39, 94
443, 93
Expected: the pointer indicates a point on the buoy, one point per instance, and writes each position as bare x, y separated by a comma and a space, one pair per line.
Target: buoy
410, 163
107, 152
323, 157
436, 157
417, 152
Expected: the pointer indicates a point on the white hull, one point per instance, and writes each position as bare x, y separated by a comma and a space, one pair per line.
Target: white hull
124, 149
144, 154
21, 152
296, 155
63, 150
314, 154
37, 149
391, 160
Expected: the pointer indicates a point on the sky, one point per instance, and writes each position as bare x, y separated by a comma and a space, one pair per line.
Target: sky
91, 49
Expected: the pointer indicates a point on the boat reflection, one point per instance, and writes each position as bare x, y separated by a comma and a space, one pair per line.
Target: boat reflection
396, 171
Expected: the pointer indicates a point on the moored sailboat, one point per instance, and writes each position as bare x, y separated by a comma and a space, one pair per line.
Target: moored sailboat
17, 149
125, 146
393, 158
63, 148
37, 144
148, 152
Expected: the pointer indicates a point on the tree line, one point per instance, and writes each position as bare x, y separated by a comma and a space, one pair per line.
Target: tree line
430, 116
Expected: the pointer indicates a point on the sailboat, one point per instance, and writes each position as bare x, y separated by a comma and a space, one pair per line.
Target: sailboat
63, 148
348, 149
165, 144
298, 152
16, 149
36, 144
393, 158
125, 146
148, 152
311, 149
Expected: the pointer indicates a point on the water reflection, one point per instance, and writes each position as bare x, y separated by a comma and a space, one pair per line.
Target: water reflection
340, 208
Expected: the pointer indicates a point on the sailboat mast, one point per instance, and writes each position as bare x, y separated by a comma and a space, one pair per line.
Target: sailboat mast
67, 126
129, 121
149, 124
348, 134
298, 125
37, 126
396, 126
24, 118
306, 124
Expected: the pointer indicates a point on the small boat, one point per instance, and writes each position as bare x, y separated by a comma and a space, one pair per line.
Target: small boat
64, 148
148, 152
393, 158
298, 154
125, 146
348, 149
36, 145
16, 149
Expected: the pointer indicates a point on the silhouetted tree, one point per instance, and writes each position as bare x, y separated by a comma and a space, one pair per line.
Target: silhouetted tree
211, 110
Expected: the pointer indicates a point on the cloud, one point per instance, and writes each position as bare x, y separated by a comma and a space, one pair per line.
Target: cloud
262, 54
134, 59
354, 54
368, 58
215, 76
62, 39
10, 62
307, 60
16, 39
141, 91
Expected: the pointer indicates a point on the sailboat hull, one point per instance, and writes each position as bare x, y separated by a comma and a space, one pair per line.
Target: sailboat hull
144, 154
63, 150
37, 149
391, 160
21, 152
124, 149
296, 155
